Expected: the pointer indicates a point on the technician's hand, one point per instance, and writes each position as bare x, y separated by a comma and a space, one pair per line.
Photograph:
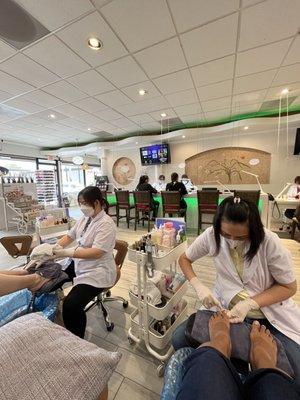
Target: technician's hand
63, 253
239, 312
205, 295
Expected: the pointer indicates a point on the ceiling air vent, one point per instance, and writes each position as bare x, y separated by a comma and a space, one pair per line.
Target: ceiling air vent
17, 27
274, 104
102, 135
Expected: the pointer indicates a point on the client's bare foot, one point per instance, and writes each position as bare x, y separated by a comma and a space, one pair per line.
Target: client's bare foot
37, 282
263, 352
219, 331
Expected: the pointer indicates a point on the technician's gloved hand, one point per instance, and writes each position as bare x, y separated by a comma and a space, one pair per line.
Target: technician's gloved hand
205, 295
239, 312
63, 253
56, 246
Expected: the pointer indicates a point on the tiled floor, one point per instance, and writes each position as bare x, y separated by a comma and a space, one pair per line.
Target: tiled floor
135, 377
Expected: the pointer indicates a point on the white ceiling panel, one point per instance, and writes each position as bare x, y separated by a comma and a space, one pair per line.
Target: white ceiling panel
162, 58
42, 98
91, 83
57, 57
216, 90
141, 118
123, 72
174, 82
5, 50
251, 97
74, 123
261, 58
45, 115
114, 98
188, 15
4, 96
275, 92
247, 3
188, 109
293, 55
55, 13
251, 82
109, 115
13, 85
268, 22
191, 118
182, 98
288, 74
213, 71
63, 90
150, 126
140, 23
70, 110
24, 105
27, 70
90, 120
217, 114
216, 104
144, 107
245, 108
90, 105
157, 115
133, 91
196, 43
93, 25
125, 123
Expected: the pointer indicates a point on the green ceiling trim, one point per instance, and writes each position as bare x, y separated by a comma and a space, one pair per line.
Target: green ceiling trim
293, 109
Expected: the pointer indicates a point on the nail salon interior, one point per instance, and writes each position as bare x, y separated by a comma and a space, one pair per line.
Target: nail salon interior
149, 199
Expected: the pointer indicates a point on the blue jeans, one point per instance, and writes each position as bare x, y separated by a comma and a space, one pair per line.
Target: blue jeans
219, 380
292, 348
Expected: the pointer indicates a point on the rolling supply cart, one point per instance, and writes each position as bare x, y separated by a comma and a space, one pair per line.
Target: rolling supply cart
145, 315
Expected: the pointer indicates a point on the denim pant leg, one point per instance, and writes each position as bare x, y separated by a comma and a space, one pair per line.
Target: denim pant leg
178, 338
208, 375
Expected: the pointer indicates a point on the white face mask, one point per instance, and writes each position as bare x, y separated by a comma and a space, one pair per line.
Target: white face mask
87, 211
161, 182
233, 244
185, 181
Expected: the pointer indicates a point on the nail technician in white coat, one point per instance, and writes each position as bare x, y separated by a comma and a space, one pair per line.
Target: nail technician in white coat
255, 278
94, 266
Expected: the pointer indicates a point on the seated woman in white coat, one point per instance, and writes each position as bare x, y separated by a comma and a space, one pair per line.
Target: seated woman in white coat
293, 194
255, 278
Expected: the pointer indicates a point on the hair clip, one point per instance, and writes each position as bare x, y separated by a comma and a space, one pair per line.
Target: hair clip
236, 200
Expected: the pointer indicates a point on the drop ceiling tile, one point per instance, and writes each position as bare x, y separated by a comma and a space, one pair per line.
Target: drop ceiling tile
247, 3
27, 70
216, 90
288, 74
261, 58
216, 104
13, 85
57, 57
141, 118
198, 12
56, 13
42, 98
91, 120
125, 123
144, 107
45, 115
5, 50
189, 109
151, 126
90, 105
114, 98
211, 116
275, 92
293, 55
140, 23
63, 90
123, 72
191, 118
70, 110
74, 123
245, 108
93, 25
109, 115
251, 97
91, 83
157, 115
174, 82
247, 83
162, 58
213, 71
182, 98
203, 44
133, 91
281, 22
24, 105
4, 96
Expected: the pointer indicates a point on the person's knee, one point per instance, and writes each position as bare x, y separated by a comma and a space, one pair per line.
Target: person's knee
178, 337
71, 305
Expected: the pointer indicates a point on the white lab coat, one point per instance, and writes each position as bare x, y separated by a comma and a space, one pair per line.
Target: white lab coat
293, 191
160, 187
190, 187
271, 264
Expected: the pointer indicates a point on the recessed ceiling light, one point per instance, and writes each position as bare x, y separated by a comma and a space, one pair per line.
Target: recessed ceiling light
183, 136
285, 91
163, 115
246, 127
89, 129
52, 116
94, 43
136, 142
142, 92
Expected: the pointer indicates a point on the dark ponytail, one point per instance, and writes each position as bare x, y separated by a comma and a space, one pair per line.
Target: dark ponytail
240, 211
90, 194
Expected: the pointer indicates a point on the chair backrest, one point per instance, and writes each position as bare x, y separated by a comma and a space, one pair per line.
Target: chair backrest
249, 195
121, 247
170, 198
208, 198
142, 198
104, 194
122, 197
17, 246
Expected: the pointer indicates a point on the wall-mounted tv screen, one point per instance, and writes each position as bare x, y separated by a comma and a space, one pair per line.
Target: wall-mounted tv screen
156, 154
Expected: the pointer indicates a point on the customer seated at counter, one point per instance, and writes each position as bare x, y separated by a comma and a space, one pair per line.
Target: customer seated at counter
176, 186
160, 185
144, 186
190, 187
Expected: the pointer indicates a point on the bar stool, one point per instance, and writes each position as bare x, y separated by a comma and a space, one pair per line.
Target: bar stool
248, 195
107, 204
142, 205
208, 201
171, 204
293, 228
123, 203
